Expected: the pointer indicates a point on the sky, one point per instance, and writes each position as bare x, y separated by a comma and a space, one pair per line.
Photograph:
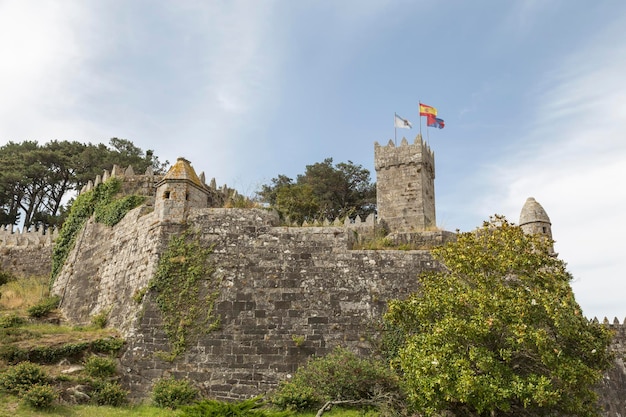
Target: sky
533, 94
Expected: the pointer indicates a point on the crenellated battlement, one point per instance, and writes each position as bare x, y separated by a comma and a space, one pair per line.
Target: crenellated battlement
12, 237
146, 184
417, 153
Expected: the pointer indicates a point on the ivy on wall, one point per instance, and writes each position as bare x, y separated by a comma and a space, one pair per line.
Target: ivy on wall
100, 201
185, 291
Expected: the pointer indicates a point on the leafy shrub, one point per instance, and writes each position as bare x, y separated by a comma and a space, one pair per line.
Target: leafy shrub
109, 345
44, 307
11, 320
99, 367
20, 378
101, 319
6, 276
247, 408
40, 396
340, 375
173, 393
109, 393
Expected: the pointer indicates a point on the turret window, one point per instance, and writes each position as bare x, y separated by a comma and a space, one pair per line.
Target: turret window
166, 195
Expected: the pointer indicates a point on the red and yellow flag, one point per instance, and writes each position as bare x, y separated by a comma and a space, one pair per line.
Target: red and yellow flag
426, 110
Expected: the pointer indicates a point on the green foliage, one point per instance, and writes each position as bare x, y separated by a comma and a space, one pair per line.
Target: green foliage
99, 201
340, 375
246, 408
11, 320
5, 276
323, 192
109, 393
48, 354
35, 179
44, 307
101, 319
173, 393
184, 291
100, 367
108, 345
20, 378
40, 396
112, 213
498, 332
139, 294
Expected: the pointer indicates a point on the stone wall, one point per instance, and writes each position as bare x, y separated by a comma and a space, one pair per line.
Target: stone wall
277, 284
106, 268
612, 389
26, 253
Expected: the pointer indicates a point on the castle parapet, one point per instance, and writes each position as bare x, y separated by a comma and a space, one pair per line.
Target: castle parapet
9, 236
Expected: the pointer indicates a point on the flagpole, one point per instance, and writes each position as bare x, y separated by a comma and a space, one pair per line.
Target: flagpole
395, 130
419, 105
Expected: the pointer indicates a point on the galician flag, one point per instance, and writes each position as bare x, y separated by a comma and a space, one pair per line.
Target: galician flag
401, 123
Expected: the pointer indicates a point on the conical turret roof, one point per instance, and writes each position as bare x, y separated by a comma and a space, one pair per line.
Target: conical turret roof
533, 212
182, 170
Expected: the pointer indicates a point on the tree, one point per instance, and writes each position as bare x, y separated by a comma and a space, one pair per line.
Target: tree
498, 331
35, 179
323, 192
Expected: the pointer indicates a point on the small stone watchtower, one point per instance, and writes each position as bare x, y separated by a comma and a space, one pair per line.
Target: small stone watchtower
180, 190
534, 220
405, 186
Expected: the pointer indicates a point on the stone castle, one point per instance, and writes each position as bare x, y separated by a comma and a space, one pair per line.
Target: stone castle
285, 293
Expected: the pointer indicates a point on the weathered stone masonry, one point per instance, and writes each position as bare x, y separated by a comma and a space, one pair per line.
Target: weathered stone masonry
286, 293
279, 284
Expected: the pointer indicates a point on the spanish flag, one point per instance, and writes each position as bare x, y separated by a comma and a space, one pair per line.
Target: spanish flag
426, 110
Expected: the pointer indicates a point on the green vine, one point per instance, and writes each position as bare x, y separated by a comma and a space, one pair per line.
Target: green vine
185, 292
100, 201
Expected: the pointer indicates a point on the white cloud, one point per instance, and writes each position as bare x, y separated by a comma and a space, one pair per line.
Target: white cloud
572, 161
41, 53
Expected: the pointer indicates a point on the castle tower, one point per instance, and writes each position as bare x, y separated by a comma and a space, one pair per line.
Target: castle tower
534, 220
405, 186
178, 191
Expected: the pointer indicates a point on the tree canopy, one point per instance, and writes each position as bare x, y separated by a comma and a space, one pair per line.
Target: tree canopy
324, 191
36, 178
498, 332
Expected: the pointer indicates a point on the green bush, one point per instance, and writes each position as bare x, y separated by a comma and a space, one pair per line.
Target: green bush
109, 393
20, 378
173, 393
99, 367
109, 345
340, 375
101, 319
11, 320
6, 276
247, 408
40, 396
44, 307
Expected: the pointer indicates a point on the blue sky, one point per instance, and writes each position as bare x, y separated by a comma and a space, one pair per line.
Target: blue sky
532, 92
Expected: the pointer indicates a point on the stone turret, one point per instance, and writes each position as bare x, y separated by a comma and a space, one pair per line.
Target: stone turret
534, 220
405, 186
180, 190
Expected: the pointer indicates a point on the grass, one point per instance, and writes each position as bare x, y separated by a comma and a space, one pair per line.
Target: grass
22, 293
